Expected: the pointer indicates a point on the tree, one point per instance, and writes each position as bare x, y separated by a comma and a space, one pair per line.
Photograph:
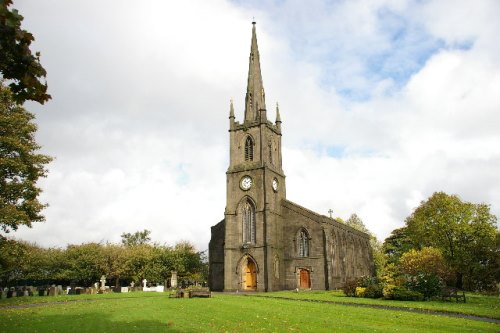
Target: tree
137, 238
17, 63
20, 165
355, 222
396, 244
465, 233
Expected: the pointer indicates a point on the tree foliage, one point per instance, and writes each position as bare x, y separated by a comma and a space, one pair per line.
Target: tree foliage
396, 244
17, 63
136, 238
20, 165
84, 264
429, 260
464, 232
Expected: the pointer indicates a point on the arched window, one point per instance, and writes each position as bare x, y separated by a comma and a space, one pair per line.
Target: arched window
303, 243
248, 213
249, 149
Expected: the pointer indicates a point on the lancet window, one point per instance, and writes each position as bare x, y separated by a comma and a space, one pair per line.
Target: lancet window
248, 213
303, 242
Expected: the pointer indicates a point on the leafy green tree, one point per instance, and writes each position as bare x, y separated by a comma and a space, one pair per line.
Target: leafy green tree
137, 238
17, 63
354, 221
83, 263
465, 233
20, 165
396, 244
11, 252
114, 259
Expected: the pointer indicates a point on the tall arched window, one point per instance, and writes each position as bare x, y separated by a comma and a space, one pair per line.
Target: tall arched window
248, 213
249, 149
303, 243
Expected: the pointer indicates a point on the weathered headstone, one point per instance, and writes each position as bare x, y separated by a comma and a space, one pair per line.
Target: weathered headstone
144, 282
103, 282
53, 291
173, 279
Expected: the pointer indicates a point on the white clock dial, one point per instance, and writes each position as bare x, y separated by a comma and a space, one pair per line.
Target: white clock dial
246, 183
275, 185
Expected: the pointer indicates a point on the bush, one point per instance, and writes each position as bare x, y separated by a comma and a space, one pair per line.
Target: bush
349, 287
374, 291
403, 294
360, 291
427, 284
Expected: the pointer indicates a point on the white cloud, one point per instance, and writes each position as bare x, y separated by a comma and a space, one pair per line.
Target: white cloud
404, 93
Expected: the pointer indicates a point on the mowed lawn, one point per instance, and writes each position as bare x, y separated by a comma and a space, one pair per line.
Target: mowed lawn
150, 312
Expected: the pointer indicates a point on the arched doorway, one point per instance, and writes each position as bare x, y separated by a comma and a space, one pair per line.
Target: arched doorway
249, 274
304, 279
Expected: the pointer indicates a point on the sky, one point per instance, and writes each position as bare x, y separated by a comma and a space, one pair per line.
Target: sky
383, 103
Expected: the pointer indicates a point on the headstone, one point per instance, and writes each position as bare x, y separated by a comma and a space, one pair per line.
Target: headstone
173, 279
132, 284
124, 289
103, 282
52, 291
144, 283
160, 289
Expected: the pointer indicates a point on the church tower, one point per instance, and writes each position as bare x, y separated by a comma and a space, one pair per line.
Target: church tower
255, 189
266, 242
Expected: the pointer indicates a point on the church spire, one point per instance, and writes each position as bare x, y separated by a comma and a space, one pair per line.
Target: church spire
255, 98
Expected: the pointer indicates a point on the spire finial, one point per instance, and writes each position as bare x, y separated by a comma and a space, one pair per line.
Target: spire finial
231, 108
278, 117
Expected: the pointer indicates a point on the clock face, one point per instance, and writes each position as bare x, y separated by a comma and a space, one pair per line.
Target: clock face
246, 183
275, 185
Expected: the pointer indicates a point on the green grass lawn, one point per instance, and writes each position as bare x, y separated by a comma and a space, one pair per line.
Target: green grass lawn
479, 305
155, 312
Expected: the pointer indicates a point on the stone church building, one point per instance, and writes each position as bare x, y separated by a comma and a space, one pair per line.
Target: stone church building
266, 242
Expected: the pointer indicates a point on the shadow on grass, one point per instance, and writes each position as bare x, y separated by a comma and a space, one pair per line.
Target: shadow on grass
27, 321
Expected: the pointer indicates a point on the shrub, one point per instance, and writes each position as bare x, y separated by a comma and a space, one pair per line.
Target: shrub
388, 291
360, 291
427, 284
374, 291
403, 294
349, 287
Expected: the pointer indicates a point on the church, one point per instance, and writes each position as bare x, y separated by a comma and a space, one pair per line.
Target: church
266, 242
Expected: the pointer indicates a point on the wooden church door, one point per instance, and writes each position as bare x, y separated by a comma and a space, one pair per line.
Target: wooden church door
305, 279
250, 275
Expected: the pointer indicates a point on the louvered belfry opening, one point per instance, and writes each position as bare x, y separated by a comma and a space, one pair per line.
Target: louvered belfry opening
249, 149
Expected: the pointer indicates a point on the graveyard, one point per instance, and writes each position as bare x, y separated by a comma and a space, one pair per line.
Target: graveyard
270, 312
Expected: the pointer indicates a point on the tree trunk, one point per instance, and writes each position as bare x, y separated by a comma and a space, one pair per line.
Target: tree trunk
459, 280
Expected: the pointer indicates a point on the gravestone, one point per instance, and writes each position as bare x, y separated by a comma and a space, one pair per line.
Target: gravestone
53, 291
173, 279
144, 283
103, 282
